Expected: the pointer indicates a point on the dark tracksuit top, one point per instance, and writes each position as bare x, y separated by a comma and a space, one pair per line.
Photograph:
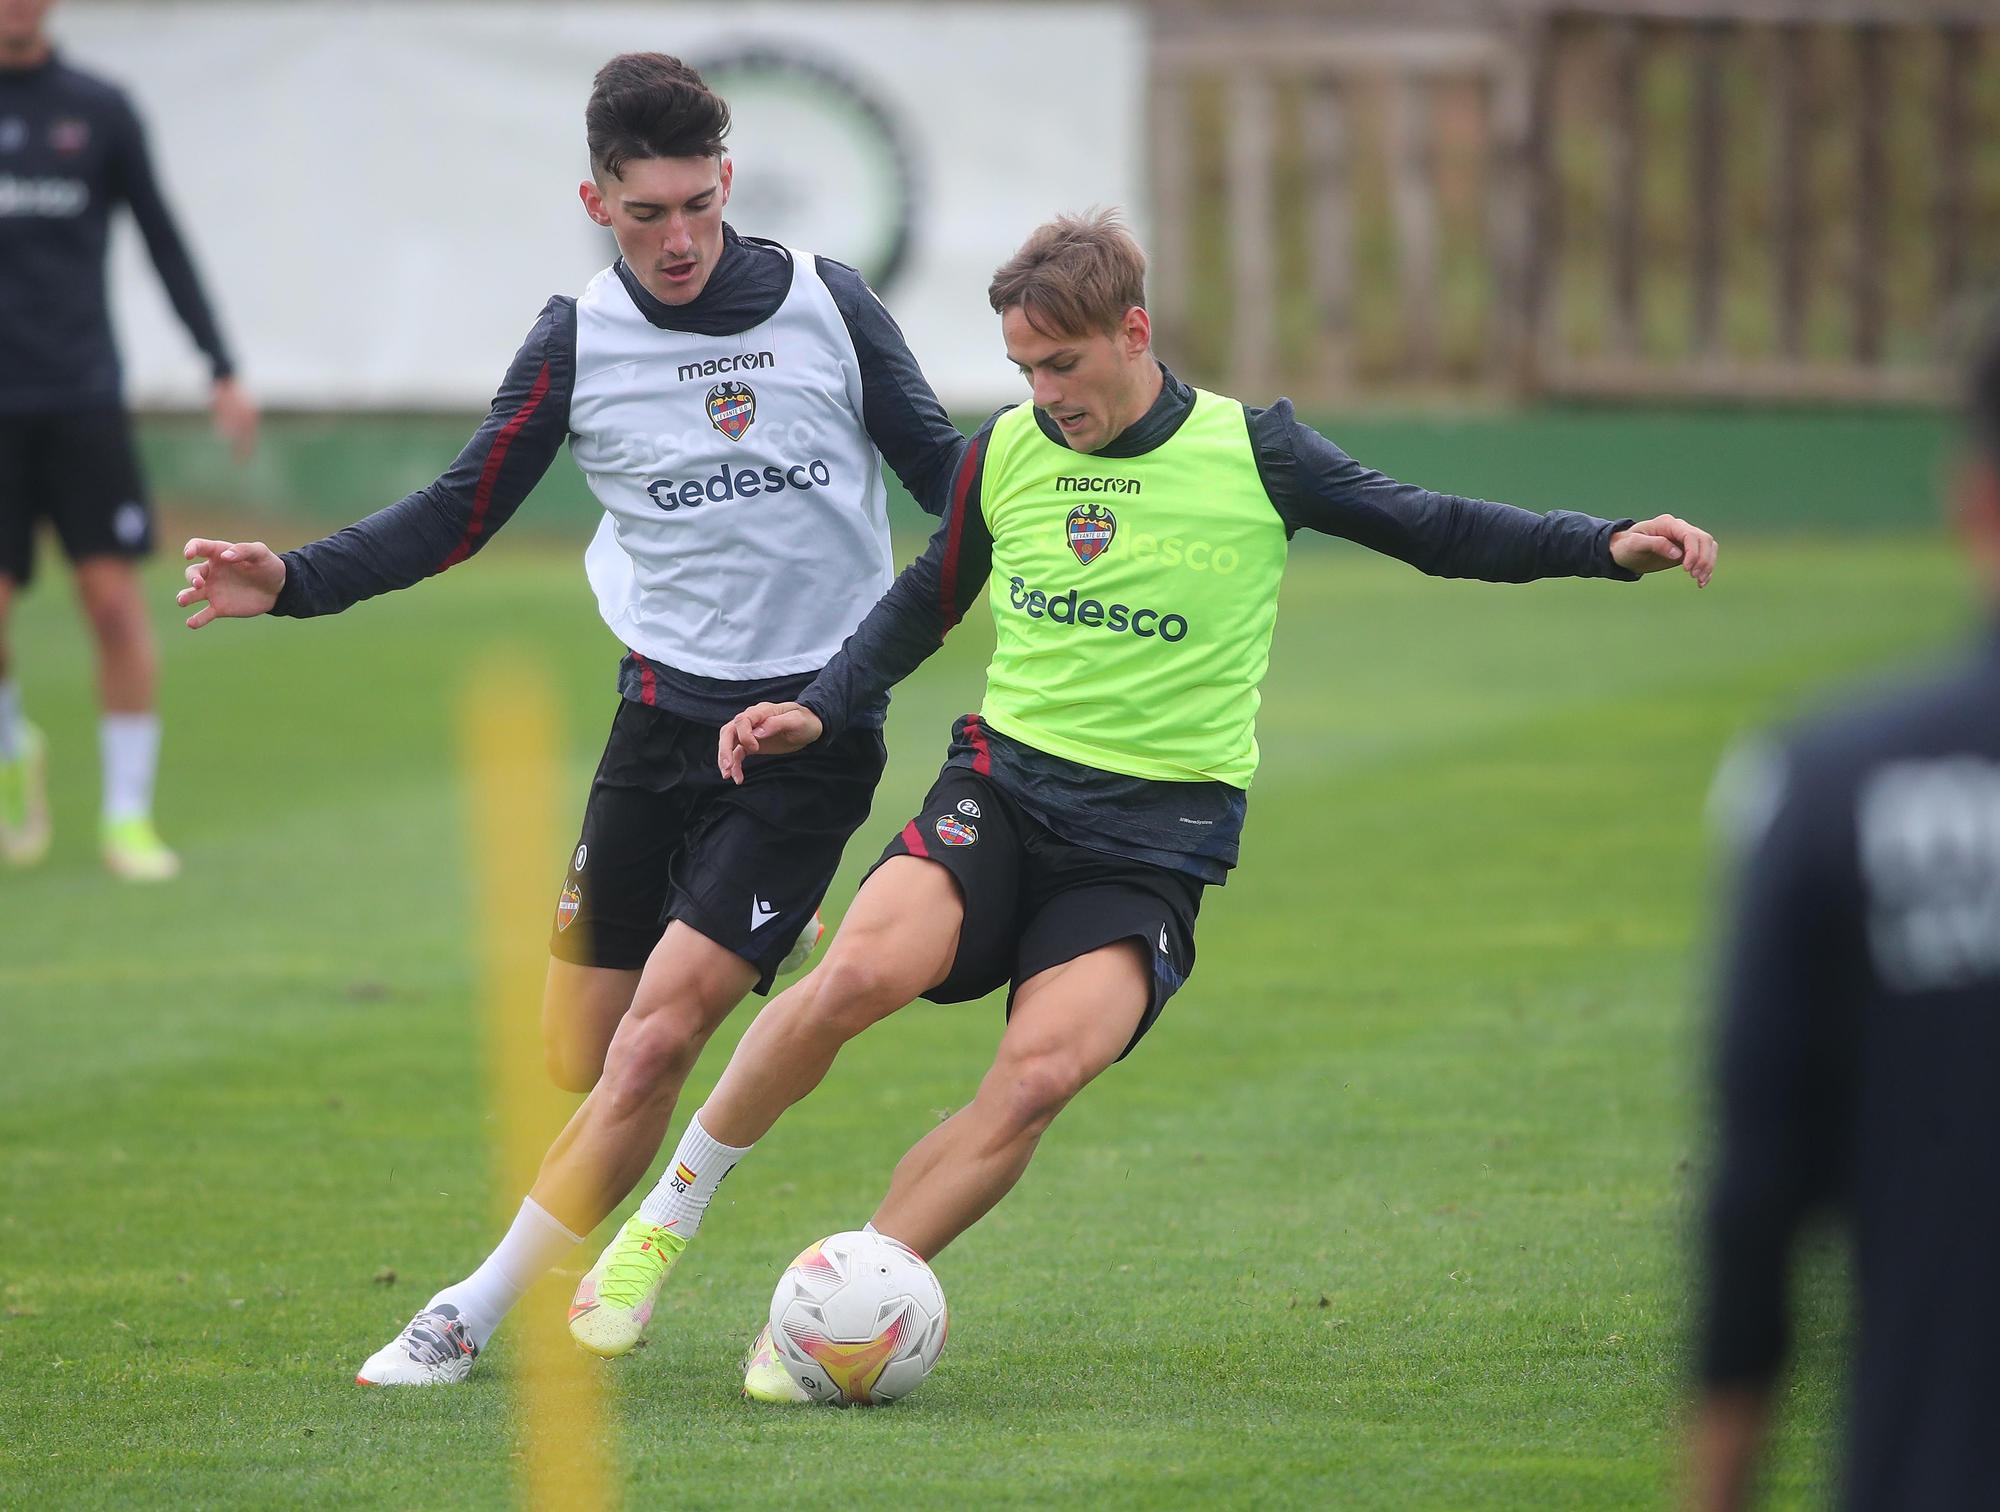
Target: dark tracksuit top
71, 151
1859, 1075
1313, 485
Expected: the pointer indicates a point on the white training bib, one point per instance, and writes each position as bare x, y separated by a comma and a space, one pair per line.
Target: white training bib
745, 529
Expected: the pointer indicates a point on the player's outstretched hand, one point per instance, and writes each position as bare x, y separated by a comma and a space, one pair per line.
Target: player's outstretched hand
230, 580
1664, 541
765, 729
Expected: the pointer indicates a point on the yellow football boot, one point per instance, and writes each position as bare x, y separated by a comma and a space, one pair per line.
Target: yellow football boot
24, 802
134, 851
765, 1378
615, 1301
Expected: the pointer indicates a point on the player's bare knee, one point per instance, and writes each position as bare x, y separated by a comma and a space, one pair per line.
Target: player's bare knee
827, 1004
851, 989
1027, 1092
653, 1054
672, 1044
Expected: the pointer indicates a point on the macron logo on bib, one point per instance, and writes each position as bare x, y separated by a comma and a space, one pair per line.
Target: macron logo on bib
735, 362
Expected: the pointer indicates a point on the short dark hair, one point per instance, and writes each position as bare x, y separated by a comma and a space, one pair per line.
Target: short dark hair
647, 105
1077, 275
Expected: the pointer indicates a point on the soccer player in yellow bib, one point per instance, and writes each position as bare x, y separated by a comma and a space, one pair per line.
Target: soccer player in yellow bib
1133, 530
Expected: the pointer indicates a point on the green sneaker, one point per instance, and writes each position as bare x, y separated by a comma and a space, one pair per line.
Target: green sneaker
134, 851
765, 1378
24, 802
615, 1301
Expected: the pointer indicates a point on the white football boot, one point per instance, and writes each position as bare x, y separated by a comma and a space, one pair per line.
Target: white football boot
433, 1349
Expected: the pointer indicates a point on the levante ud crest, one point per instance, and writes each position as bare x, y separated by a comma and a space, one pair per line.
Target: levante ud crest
1090, 529
953, 830
731, 408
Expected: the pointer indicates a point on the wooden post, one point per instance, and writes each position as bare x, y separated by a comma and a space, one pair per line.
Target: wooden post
1707, 45
1413, 204
1252, 138
1871, 103
1627, 163
1169, 271
1956, 45
1541, 243
1506, 213
1324, 127
1790, 78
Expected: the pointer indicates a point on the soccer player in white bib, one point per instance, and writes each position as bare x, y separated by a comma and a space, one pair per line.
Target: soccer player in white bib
731, 403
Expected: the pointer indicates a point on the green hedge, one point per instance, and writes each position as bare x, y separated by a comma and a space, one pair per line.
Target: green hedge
1728, 469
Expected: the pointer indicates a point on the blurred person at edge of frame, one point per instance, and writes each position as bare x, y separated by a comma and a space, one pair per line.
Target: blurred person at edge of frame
72, 150
1859, 1036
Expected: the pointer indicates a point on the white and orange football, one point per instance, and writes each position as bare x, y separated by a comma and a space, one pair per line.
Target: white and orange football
858, 1318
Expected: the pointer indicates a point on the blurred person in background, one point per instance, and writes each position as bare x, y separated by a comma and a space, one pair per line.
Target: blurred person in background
1859, 1037
732, 405
71, 151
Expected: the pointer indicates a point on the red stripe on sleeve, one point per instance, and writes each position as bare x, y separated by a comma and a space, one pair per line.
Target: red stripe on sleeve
982, 759
913, 841
482, 496
948, 578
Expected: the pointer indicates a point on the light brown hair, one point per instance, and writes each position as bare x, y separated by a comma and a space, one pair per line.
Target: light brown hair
1077, 275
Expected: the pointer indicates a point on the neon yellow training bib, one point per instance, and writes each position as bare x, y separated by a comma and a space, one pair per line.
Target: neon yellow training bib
1133, 597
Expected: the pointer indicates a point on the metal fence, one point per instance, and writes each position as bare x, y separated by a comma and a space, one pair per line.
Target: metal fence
1719, 198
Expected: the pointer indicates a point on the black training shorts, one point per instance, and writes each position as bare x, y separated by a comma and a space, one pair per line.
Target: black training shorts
666, 836
78, 470
1035, 900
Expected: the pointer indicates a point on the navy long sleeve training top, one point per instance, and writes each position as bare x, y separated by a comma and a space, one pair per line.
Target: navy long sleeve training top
1860, 1037
71, 151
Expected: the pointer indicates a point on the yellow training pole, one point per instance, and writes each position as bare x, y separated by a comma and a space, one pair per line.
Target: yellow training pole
508, 727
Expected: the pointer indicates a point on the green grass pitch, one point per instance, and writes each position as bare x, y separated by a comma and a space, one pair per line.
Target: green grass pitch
1391, 1210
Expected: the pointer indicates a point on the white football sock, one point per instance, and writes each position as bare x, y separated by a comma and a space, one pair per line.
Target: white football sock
697, 1169
10, 719
130, 746
532, 1248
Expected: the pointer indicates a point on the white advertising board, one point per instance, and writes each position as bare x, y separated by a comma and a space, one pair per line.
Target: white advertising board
381, 196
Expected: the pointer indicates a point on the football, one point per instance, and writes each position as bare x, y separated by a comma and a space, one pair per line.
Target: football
858, 1318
